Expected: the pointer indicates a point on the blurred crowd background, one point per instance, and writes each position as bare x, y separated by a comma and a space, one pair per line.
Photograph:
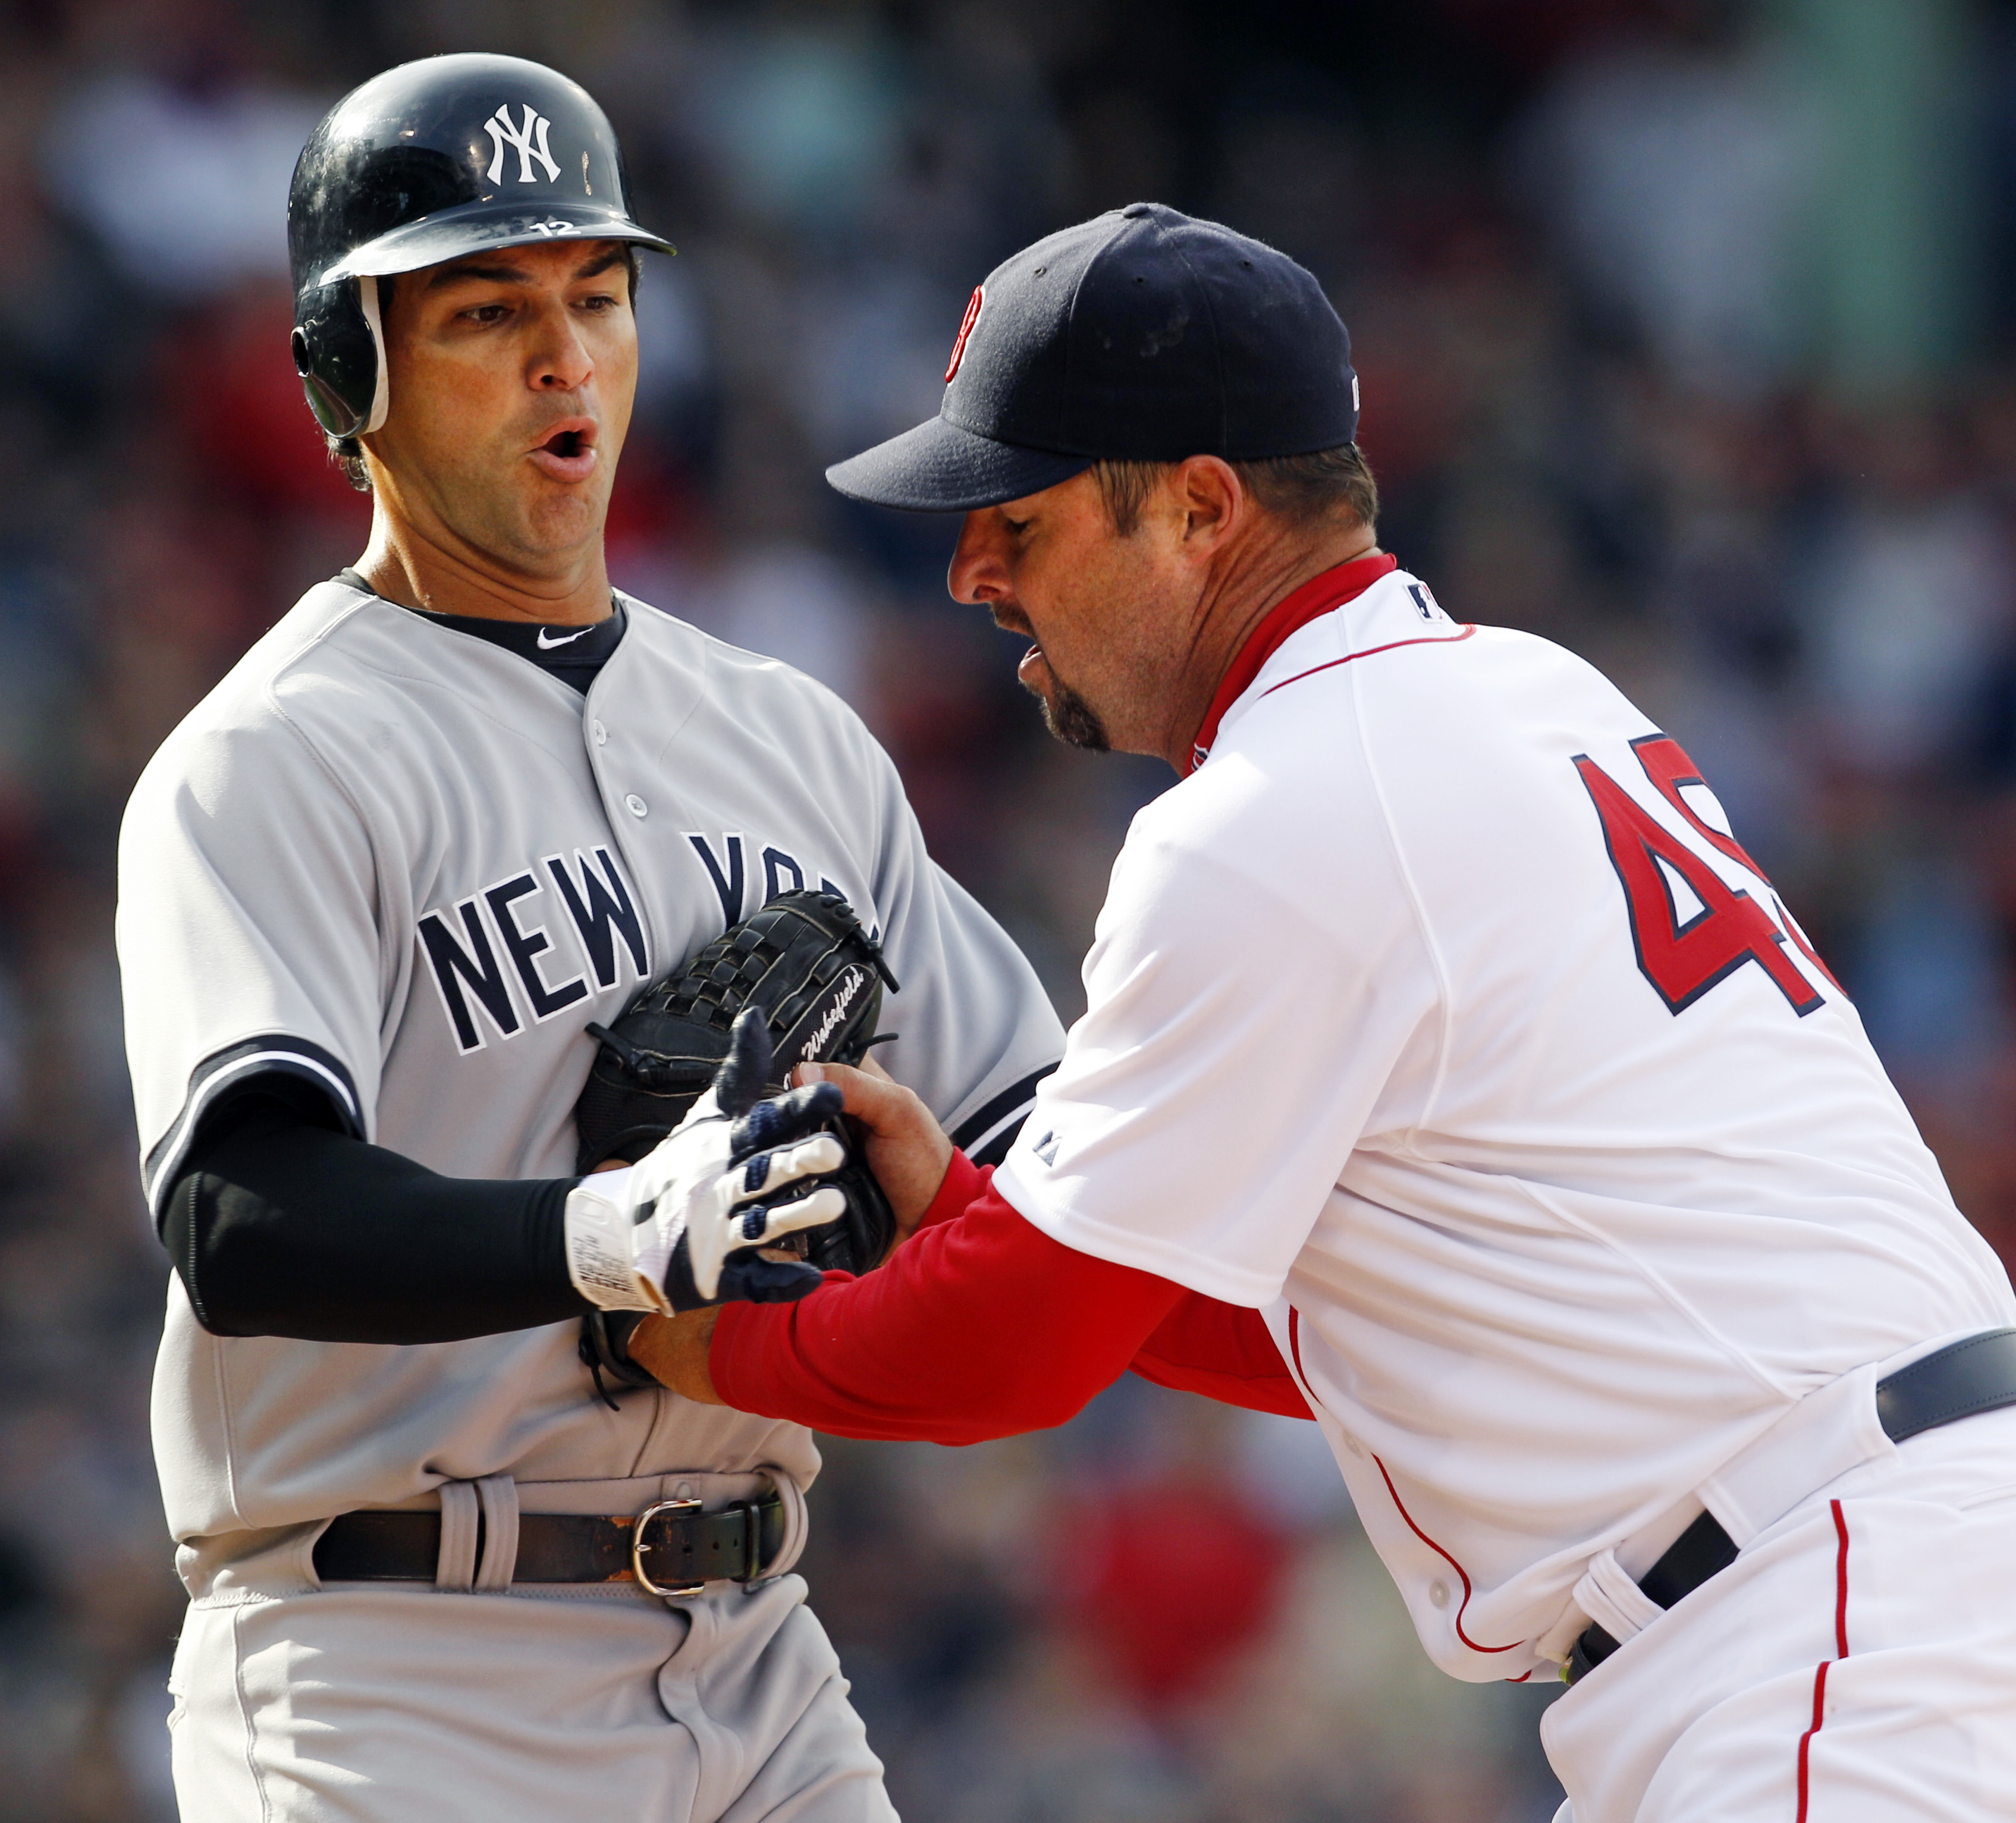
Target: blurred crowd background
1688, 336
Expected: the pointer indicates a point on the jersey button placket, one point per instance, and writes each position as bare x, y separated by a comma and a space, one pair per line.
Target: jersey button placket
610, 721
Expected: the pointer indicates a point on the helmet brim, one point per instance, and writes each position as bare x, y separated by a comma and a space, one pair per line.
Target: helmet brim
475, 228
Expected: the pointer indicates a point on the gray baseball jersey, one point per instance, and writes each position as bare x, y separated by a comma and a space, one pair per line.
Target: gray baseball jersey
410, 867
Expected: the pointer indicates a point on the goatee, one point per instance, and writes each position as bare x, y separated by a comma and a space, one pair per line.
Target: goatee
1071, 719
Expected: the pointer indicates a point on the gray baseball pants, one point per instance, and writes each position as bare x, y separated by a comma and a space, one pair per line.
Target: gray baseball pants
365, 1704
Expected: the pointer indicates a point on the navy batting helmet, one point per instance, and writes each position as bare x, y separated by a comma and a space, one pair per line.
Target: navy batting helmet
429, 161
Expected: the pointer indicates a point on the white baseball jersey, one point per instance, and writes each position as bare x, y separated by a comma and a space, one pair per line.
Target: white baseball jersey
410, 867
1437, 1014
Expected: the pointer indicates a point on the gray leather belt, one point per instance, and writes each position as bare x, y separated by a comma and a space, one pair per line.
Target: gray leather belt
672, 1548
1976, 1374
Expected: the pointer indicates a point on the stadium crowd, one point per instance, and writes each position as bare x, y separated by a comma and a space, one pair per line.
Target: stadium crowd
1685, 333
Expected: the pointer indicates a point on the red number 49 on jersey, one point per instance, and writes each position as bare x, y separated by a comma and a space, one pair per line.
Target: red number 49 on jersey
1684, 956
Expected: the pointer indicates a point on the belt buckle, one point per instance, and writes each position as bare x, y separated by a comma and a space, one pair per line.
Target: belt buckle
668, 1591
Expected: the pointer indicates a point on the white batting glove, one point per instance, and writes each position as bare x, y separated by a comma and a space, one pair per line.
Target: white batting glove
685, 1226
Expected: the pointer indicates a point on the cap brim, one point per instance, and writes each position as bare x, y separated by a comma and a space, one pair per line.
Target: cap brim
452, 234
939, 468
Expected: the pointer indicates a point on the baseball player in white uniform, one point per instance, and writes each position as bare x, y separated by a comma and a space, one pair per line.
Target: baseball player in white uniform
460, 802
1450, 1072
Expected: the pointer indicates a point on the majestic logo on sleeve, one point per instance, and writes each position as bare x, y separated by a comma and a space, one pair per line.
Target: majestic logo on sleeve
494, 954
528, 140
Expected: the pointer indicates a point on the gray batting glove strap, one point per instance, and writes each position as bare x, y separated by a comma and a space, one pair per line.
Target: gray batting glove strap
685, 1226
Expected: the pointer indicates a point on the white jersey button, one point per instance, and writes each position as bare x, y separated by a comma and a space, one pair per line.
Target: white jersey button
636, 805
1438, 1594
601, 734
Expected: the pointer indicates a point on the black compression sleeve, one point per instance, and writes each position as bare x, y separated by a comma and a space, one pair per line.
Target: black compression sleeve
281, 1227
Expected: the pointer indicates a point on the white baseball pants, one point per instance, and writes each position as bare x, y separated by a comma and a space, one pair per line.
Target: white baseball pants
1855, 1664
361, 1705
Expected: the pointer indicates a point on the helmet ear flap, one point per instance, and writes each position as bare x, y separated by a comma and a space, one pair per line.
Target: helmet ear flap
381, 386
339, 350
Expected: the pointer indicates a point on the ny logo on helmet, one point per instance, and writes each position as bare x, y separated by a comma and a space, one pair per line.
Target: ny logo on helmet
530, 141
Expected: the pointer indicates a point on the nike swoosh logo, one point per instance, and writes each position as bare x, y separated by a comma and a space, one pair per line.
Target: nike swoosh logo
546, 645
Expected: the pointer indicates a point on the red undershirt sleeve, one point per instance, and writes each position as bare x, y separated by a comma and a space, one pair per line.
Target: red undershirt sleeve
982, 1326
1224, 1352
965, 1183
978, 1326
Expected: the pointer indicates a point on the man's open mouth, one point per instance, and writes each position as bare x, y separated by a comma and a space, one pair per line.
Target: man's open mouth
568, 454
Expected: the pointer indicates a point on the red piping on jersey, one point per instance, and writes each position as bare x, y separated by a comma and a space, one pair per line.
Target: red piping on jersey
1840, 1650
1294, 611
1296, 1370
1295, 1352
1450, 1561
1371, 652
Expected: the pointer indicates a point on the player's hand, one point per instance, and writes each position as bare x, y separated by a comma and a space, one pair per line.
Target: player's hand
906, 1148
686, 1226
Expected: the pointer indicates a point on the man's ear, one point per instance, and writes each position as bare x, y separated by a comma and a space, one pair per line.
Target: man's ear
1211, 497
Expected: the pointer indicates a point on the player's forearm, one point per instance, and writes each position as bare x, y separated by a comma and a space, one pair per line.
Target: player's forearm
980, 1327
1221, 1351
280, 1227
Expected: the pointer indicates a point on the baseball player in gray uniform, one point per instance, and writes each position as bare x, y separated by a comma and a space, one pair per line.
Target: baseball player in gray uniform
460, 802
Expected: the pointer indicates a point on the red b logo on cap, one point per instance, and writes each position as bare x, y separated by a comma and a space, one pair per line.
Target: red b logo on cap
966, 323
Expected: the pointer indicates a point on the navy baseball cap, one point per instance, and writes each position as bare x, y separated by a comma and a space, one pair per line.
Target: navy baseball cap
1143, 335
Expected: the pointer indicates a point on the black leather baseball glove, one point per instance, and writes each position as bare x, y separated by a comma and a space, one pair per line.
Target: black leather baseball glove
804, 959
